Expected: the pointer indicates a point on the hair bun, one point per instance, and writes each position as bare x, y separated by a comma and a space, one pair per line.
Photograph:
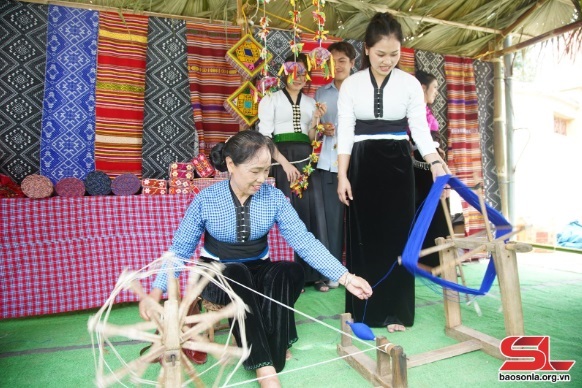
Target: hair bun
217, 157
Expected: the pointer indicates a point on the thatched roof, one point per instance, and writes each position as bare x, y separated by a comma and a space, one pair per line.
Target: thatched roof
470, 28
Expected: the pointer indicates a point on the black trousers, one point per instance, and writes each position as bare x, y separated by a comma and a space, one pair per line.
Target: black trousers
269, 327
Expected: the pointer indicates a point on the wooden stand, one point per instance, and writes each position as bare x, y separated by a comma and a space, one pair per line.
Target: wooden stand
389, 369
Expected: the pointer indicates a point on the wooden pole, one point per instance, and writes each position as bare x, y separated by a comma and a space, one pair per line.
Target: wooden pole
452, 308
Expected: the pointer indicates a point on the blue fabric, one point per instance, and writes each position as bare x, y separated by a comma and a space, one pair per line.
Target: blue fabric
214, 210
571, 236
413, 246
68, 123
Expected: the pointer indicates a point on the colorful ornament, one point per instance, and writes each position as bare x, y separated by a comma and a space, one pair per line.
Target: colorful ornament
248, 57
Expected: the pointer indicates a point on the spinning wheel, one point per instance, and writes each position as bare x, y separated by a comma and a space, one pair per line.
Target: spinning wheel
176, 330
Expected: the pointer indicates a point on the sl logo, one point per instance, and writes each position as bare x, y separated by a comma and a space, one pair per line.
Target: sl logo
530, 353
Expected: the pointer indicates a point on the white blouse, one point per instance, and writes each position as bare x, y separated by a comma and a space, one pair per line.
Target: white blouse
402, 97
276, 114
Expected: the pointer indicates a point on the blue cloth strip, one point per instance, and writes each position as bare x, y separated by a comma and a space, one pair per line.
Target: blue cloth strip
413, 247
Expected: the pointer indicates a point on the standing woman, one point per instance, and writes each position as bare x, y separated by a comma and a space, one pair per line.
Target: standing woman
290, 118
375, 173
422, 174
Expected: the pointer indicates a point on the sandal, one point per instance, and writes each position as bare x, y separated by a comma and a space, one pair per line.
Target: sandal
321, 286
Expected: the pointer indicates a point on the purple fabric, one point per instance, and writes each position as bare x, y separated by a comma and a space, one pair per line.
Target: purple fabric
433, 124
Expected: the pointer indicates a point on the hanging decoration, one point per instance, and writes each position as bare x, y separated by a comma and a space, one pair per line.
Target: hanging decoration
267, 84
320, 58
243, 104
248, 57
295, 44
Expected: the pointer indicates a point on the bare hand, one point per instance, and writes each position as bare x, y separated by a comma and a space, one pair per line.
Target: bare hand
328, 129
320, 110
359, 287
292, 172
156, 295
344, 190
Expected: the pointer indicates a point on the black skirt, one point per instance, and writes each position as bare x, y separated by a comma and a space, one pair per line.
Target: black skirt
310, 207
378, 224
269, 327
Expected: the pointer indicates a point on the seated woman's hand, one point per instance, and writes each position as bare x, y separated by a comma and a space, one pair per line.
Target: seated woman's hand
156, 295
358, 286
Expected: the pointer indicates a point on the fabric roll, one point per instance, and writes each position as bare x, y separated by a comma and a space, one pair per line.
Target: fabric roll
22, 63
9, 188
168, 126
68, 121
98, 183
125, 184
70, 187
37, 186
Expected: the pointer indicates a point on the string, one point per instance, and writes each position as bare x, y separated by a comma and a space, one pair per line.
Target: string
375, 285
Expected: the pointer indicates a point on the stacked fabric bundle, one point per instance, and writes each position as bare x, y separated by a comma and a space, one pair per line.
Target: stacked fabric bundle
154, 186
37, 186
181, 178
70, 187
126, 184
98, 183
203, 167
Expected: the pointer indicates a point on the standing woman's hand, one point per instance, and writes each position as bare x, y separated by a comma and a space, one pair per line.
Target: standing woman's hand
292, 172
344, 190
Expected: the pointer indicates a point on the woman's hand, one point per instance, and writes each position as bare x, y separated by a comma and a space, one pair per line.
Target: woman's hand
156, 295
344, 190
320, 110
292, 172
356, 285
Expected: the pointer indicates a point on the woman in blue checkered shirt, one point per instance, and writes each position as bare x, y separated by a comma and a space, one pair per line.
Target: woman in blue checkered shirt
235, 216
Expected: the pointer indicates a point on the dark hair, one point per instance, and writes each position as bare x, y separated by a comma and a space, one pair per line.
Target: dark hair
381, 26
424, 78
300, 58
343, 47
241, 147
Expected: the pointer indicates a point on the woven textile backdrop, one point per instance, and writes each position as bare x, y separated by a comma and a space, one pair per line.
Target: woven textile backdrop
120, 93
212, 81
22, 71
168, 127
68, 123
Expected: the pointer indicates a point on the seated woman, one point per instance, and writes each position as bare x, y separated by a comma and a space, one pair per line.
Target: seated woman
235, 216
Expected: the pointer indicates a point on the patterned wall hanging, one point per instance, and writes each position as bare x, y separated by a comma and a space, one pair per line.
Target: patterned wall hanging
168, 128
245, 57
243, 104
119, 96
22, 60
68, 124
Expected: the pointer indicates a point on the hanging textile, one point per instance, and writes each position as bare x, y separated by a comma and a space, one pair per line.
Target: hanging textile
168, 128
406, 60
212, 81
484, 86
120, 93
22, 58
68, 121
464, 155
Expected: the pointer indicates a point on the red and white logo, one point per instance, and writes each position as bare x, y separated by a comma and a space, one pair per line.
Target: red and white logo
530, 354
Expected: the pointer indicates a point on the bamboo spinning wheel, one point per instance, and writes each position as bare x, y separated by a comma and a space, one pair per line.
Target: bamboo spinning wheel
175, 330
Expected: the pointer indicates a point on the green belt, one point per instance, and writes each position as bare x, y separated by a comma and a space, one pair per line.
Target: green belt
292, 136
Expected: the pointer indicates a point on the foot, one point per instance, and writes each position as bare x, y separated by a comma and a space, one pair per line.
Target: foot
268, 378
395, 327
321, 286
288, 355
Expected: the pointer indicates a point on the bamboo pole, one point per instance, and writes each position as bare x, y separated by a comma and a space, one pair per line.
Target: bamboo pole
441, 268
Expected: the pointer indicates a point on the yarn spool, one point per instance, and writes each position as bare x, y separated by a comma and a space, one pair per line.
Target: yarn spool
98, 183
126, 184
70, 187
37, 186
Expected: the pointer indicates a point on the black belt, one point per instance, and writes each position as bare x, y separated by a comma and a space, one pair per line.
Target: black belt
238, 251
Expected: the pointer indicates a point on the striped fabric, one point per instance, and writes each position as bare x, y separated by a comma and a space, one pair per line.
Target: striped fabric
464, 140
406, 60
212, 81
120, 93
